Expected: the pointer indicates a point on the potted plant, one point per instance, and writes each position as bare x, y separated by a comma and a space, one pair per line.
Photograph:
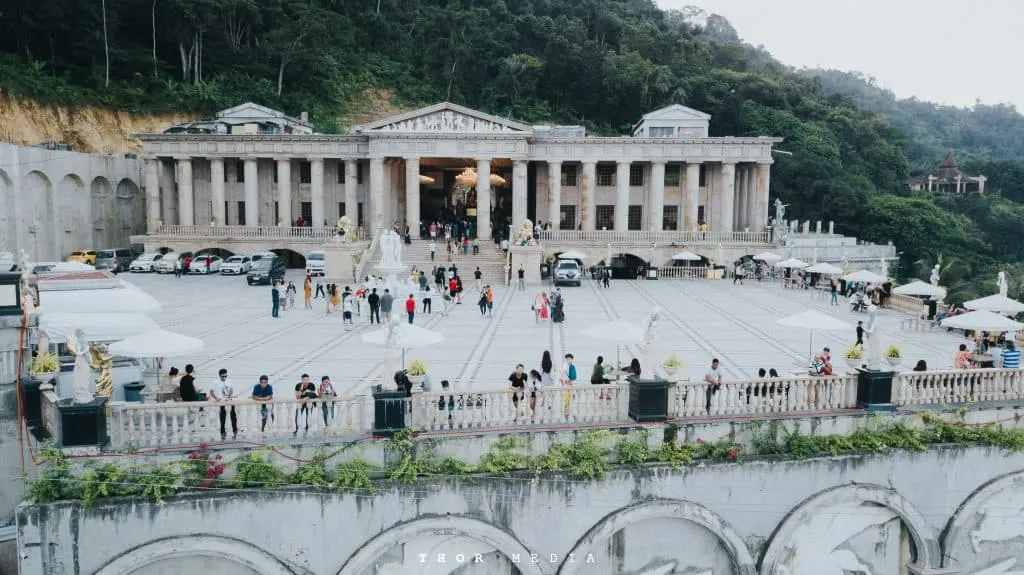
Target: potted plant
854, 356
893, 354
416, 372
45, 365
672, 364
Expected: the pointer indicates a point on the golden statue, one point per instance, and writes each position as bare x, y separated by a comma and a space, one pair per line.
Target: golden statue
102, 360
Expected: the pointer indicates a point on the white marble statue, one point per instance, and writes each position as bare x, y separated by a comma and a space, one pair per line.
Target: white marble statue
934, 278
390, 249
872, 345
650, 257
82, 374
343, 230
780, 210
524, 236
650, 333
846, 262
1004, 287
885, 268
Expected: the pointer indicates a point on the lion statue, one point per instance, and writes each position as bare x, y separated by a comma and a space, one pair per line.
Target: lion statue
343, 230
524, 236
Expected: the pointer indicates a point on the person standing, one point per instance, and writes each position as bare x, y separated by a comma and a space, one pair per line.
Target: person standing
860, 333
833, 288
347, 306
386, 301
482, 303
433, 248
490, 300
187, 384
275, 300
177, 267
327, 394
307, 293
319, 288
263, 393
410, 308
305, 391
714, 380
185, 265
522, 278
477, 277
291, 292
374, 302
568, 380
1009, 358
222, 391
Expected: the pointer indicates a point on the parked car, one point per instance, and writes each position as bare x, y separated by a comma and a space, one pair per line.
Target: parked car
260, 255
165, 265
236, 265
83, 256
144, 263
315, 261
266, 270
205, 264
116, 260
568, 272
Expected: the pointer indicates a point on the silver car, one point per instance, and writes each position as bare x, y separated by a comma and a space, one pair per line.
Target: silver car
236, 265
165, 265
568, 272
144, 263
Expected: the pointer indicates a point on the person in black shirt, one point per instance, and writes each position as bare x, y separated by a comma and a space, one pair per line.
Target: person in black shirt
518, 379
374, 301
522, 279
187, 384
860, 333
305, 390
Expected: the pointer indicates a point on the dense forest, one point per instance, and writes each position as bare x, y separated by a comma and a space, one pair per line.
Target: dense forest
601, 63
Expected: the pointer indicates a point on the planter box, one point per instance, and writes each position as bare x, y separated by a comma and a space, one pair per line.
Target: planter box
874, 390
388, 411
81, 425
648, 399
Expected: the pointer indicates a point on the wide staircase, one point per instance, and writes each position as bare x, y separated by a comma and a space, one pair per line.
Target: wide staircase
490, 261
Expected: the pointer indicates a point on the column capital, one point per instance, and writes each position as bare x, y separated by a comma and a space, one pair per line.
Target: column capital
521, 162
410, 158
312, 159
178, 158
280, 159
552, 162
767, 162
216, 159
729, 163
589, 162
658, 162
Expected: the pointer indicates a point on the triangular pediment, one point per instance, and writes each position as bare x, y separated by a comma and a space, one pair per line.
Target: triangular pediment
677, 112
444, 118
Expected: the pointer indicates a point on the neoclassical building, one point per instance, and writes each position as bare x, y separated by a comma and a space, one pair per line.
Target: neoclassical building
252, 166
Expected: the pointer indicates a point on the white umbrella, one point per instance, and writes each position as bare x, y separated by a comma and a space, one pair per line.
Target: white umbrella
686, 256
997, 303
572, 255
920, 288
824, 268
96, 326
619, 332
812, 321
792, 263
157, 343
982, 320
865, 276
407, 336
768, 257
110, 300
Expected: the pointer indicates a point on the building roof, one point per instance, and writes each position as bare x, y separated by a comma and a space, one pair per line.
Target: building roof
947, 173
444, 117
251, 112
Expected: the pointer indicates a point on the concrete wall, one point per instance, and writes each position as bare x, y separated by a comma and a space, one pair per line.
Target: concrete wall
12, 487
957, 507
53, 202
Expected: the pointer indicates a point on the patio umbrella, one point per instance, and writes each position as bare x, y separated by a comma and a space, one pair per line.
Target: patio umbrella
824, 268
982, 320
572, 255
920, 289
96, 326
768, 257
620, 332
792, 263
686, 256
997, 303
157, 343
812, 321
407, 336
128, 299
865, 276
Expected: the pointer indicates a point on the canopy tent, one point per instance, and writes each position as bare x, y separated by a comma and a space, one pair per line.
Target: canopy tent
96, 326
687, 256
620, 332
157, 343
126, 299
572, 255
792, 263
824, 268
982, 320
812, 321
919, 288
768, 257
865, 276
997, 303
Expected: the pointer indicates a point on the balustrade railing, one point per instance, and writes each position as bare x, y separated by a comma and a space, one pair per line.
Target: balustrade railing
764, 396
604, 237
318, 234
691, 273
957, 386
906, 304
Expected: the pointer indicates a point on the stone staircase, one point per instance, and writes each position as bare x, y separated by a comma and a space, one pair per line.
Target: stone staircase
490, 261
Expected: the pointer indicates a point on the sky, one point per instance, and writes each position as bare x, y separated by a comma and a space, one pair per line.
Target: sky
945, 51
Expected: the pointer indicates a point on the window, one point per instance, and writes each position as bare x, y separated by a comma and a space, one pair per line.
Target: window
635, 218
360, 216
636, 175
670, 219
274, 172
661, 132
359, 175
606, 174
225, 174
341, 209
240, 172
227, 214
306, 208
305, 173
568, 216
277, 213
605, 218
672, 175
341, 172
241, 213
700, 215
703, 176
569, 175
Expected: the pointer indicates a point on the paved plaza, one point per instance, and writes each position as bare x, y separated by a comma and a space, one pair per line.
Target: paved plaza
699, 320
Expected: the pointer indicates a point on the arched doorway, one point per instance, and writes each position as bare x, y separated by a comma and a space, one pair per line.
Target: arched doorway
625, 266
102, 210
291, 258
8, 221
36, 216
74, 230
130, 213
219, 252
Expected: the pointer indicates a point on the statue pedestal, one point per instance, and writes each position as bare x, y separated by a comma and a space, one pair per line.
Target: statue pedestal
648, 399
388, 410
340, 261
529, 258
81, 424
874, 390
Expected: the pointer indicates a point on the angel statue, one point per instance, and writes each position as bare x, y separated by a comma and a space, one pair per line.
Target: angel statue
102, 360
872, 344
82, 375
780, 210
1003, 286
390, 249
934, 279
525, 233
343, 230
650, 331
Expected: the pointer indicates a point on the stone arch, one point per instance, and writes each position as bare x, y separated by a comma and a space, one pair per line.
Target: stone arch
8, 218
827, 502
129, 213
102, 212
363, 560
662, 509
164, 249
973, 524
217, 251
292, 258
36, 216
74, 231
624, 264
235, 551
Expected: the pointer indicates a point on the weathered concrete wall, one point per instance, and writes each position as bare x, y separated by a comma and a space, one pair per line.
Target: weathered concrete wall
870, 514
11, 485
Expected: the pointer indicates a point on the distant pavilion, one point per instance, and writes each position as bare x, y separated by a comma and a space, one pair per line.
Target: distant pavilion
949, 179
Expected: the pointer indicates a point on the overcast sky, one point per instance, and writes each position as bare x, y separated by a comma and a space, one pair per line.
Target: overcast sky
947, 51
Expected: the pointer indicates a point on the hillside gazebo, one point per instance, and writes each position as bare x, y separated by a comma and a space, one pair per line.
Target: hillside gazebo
948, 179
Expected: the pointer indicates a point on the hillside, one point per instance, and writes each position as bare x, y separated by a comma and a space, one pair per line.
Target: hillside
602, 63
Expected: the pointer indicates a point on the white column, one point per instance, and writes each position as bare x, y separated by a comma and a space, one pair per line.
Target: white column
351, 191
412, 195
751, 207
656, 201
588, 204
519, 192
762, 195
316, 189
284, 192
483, 199
218, 212
186, 214
555, 194
739, 198
376, 209
152, 195
251, 173
691, 197
727, 193
622, 196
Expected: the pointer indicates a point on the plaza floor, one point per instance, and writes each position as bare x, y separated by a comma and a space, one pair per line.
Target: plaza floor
699, 320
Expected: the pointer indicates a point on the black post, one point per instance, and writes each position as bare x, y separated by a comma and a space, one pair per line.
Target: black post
874, 389
388, 410
648, 399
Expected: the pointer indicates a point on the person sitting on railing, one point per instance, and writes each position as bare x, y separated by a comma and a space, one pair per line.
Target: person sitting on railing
714, 380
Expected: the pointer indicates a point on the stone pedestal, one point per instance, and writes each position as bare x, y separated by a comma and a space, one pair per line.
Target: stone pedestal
648, 399
388, 410
81, 424
530, 258
340, 261
874, 390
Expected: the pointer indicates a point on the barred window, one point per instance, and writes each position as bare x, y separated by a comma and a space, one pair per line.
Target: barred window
305, 173
567, 217
670, 219
605, 217
672, 175
606, 174
636, 175
569, 175
635, 218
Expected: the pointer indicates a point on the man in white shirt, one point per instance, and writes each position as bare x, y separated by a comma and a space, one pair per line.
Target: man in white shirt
714, 380
222, 391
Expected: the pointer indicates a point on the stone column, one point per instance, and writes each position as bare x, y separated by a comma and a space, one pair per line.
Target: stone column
412, 195
316, 189
727, 197
691, 197
656, 201
186, 213
588, 205
217, 191
284, 192
519, 192
761, 193
152, 196
483, 199
376, 218
739, 213
251, 174
751, 204
622, 196
351, 188
555, 194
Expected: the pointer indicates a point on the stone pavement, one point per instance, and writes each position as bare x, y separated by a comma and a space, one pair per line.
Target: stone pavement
699, 320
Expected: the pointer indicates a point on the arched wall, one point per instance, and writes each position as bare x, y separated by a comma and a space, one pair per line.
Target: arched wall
991, 515
292, 258
102, 213
74, 229
130, 213
8, 220
36, 208
168, 549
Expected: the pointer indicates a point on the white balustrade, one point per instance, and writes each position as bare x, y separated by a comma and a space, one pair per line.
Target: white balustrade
683, 272
957, 386
293, 233
764, 396
647, 238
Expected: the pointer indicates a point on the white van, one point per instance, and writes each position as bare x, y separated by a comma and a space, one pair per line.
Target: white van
315, 261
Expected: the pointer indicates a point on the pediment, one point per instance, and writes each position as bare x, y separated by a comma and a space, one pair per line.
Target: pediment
677, 112
445, 118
